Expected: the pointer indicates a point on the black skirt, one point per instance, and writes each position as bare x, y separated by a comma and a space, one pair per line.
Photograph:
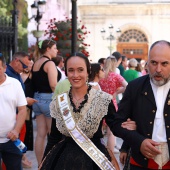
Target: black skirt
67, 155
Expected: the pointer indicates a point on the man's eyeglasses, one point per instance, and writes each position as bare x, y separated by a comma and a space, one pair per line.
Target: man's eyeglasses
23, 65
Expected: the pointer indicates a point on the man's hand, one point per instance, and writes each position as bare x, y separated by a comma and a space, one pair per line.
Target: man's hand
129, 124
30, 101
13, 135
20, 120
122, 157
148, 148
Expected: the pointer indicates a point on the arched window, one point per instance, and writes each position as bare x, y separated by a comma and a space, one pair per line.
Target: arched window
133, 35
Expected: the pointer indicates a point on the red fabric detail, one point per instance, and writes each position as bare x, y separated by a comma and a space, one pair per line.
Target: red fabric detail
151, 164
132, 161
3, 166
22, 132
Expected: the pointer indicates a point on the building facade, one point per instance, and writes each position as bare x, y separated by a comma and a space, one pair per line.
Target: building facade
141, 22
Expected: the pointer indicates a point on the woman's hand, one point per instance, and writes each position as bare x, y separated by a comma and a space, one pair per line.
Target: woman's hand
30, 101
114, 95
129, 124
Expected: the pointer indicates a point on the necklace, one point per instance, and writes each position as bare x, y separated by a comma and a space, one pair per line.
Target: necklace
81, 104
77, 103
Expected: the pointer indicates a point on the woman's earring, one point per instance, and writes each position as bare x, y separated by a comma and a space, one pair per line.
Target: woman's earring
87, 81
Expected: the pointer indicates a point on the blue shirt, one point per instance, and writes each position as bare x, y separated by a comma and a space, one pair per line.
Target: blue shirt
11, 73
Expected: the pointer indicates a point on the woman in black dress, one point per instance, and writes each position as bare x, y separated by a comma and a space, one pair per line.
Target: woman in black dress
89, 107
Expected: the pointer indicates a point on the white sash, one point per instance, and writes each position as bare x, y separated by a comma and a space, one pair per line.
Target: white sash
80, 138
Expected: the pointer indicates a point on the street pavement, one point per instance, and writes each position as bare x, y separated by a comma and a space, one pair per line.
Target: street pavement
31, 154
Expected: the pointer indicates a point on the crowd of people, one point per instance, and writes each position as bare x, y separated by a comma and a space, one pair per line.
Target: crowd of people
77, 103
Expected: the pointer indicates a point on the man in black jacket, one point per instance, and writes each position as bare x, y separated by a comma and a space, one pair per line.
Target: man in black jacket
147, 102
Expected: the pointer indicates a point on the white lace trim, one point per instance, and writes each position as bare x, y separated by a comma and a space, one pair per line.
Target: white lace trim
90, 116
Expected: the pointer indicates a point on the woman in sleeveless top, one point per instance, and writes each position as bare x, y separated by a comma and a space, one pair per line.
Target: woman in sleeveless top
44, 78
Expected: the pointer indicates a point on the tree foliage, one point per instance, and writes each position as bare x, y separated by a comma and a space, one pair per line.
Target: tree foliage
6, 11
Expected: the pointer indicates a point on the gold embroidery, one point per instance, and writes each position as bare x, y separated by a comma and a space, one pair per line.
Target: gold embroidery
62, 98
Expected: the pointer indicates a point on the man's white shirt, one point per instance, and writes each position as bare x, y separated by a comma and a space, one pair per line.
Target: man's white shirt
11, 96
160, 93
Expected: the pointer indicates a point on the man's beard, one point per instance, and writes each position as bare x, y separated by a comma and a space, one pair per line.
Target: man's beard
160, 82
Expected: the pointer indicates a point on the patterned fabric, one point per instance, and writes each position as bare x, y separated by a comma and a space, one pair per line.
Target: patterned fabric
90, 115
163, 158
111, 83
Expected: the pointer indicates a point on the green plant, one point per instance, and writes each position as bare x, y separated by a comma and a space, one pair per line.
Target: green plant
61, 32
21, 31
6, 7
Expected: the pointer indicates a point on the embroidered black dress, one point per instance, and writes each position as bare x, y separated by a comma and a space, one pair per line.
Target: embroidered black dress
62, 152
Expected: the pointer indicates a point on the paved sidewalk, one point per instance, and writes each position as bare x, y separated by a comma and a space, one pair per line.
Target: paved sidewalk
31, 154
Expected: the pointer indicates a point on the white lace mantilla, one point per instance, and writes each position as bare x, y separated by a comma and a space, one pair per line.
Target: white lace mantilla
90, 116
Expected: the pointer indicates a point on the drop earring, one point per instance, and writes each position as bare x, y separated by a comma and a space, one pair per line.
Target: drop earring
87, 81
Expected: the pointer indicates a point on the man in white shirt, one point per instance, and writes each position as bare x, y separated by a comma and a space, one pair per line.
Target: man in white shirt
12, 98
147, 102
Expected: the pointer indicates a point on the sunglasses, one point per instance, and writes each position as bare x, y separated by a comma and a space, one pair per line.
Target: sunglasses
23, 65
51, 41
